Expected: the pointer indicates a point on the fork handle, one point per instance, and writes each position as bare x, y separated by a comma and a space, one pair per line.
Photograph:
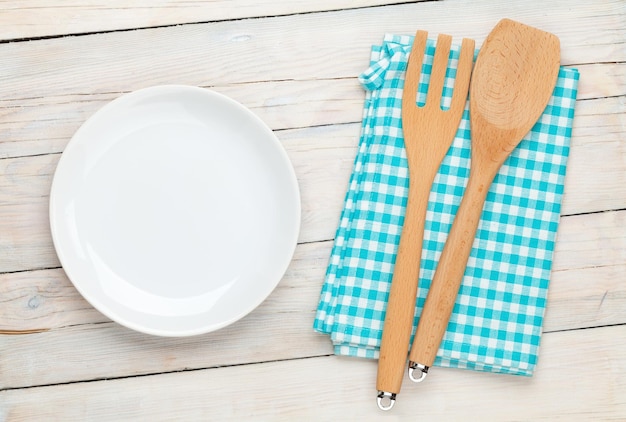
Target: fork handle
402, 295
445, 285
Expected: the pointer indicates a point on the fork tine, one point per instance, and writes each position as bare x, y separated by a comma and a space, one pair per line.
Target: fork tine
438, 73
413, 71
463, 75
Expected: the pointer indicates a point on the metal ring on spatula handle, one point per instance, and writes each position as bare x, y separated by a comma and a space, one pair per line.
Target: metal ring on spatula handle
413, 366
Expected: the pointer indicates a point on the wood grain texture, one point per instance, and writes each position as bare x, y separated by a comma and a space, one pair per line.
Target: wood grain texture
295, 65
586, 273
323, 158
88, 346
565, 387
34, 126
244, 51
40, 18
46, 300
37, 18
43, 125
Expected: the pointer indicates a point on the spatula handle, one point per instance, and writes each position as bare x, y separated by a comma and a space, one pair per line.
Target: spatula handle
444, 288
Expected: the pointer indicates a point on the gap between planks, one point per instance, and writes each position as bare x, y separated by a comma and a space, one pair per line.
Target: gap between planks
210, 21
152, 374
559, 389
233, 365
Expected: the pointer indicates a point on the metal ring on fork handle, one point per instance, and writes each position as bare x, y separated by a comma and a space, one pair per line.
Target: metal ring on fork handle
385, 394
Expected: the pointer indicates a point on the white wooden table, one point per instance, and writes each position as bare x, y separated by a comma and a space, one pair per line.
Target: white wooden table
294, 63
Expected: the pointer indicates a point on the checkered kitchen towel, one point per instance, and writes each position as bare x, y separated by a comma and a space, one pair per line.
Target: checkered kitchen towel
497, 319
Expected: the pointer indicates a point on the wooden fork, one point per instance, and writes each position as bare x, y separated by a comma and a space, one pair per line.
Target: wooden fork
428, 134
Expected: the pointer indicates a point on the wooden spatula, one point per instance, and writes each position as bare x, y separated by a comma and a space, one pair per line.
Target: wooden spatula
428, 133
513, 79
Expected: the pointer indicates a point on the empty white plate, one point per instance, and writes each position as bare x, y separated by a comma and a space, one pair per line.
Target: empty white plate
174, 210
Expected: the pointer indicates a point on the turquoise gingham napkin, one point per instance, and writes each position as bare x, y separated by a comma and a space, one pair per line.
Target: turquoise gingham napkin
497, 319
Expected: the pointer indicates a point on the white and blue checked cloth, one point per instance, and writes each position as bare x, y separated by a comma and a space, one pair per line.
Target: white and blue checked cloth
497, 320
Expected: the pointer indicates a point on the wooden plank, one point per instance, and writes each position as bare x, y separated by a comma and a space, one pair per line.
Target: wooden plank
587, 271
45, 126
322, 157
590, 240
598, 80
109, 350
41, 300
42, 125
579, 378
586, 275
593, 296
318, 46
41, 18
35, 126
597, 143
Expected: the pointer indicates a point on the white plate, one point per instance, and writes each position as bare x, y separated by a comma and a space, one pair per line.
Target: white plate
174, 210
